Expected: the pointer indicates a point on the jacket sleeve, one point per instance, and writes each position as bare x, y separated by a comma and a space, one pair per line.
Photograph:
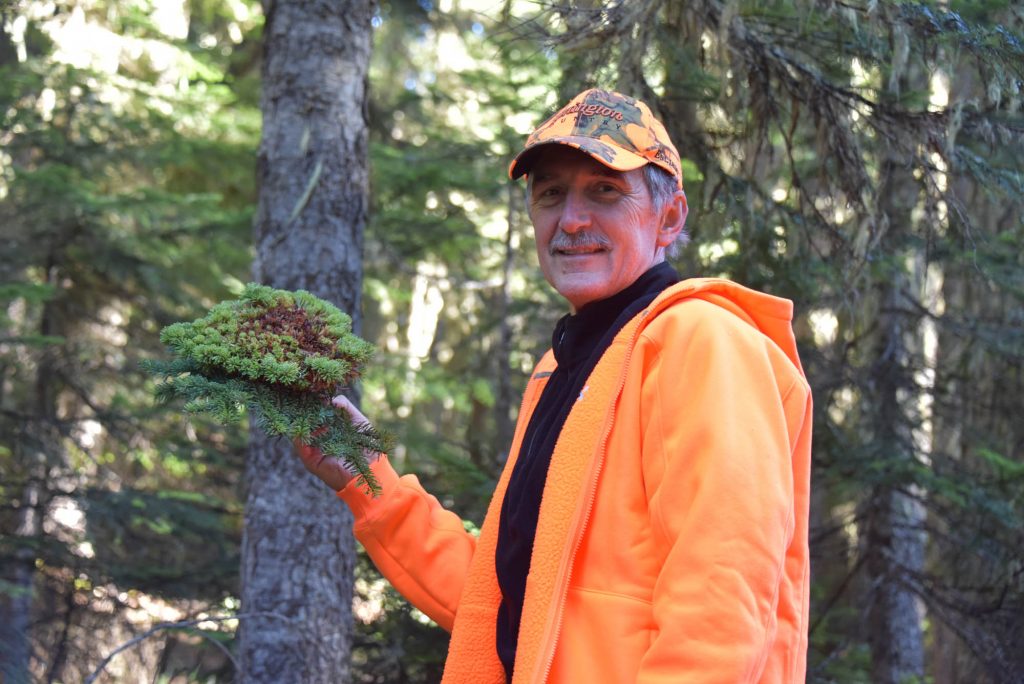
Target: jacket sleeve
726, 456
419, 546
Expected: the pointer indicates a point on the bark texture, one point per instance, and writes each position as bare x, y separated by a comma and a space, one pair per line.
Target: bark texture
298, 552
894, 535
894, 540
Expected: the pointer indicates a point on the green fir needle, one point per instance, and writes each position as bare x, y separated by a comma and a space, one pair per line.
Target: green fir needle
282, 355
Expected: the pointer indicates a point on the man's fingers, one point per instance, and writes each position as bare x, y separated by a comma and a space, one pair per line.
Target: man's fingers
342, 402
310, 456
328, 470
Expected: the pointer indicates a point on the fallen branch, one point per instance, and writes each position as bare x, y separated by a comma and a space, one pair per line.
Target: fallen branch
181, 625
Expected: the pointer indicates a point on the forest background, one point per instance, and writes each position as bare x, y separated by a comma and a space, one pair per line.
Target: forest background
860, 158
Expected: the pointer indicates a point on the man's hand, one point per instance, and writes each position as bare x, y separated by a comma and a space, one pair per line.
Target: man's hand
331, 471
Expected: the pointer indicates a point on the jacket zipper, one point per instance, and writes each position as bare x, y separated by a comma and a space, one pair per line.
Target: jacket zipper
563, 582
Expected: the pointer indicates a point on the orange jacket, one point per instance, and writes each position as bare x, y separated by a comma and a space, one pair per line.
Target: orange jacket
672, 539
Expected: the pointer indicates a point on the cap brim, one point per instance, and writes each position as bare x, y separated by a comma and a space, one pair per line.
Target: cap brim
624, 160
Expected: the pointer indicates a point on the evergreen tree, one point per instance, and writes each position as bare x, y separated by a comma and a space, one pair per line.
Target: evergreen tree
298, 555
124, 198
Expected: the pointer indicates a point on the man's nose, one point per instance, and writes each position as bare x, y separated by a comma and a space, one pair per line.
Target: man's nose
575, 213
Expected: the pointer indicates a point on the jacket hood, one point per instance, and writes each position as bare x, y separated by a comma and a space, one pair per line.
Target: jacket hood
771, 315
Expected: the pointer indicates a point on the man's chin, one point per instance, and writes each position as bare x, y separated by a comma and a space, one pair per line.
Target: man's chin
580, 290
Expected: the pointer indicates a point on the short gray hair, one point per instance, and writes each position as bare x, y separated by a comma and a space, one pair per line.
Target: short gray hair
662, 186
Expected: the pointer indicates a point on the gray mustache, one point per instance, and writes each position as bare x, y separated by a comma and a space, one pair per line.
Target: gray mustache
566, 241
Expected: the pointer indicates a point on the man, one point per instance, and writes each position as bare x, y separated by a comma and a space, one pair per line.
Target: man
651, 522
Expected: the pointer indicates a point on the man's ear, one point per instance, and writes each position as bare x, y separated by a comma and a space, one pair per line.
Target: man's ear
673, 219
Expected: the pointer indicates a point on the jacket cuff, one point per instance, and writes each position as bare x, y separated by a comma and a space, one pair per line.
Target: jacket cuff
358, 499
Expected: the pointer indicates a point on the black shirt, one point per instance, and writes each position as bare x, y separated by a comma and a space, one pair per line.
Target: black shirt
578, 343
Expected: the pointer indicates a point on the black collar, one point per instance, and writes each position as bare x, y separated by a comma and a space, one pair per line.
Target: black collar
576, 336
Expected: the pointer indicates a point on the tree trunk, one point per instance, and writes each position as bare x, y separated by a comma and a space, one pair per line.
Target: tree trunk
894, 537
16, 605
32, 444
298, 553
505, 401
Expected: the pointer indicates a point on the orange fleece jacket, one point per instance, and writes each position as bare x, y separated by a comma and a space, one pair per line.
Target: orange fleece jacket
672, 539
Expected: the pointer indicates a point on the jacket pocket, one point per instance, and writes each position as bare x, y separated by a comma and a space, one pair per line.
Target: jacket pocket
603, 639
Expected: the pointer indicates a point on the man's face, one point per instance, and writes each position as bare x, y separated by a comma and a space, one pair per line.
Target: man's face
597, 229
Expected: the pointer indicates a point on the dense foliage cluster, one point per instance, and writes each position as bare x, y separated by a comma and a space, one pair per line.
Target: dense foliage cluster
281, 355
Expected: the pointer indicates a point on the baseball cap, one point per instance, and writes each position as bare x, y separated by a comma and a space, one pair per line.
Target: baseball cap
616, 130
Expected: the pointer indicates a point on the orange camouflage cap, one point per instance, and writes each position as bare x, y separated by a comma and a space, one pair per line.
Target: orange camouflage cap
616, 130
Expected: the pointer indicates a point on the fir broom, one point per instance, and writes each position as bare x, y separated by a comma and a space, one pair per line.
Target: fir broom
282, 355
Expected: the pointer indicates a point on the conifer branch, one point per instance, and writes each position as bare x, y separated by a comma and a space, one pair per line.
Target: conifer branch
281, 356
